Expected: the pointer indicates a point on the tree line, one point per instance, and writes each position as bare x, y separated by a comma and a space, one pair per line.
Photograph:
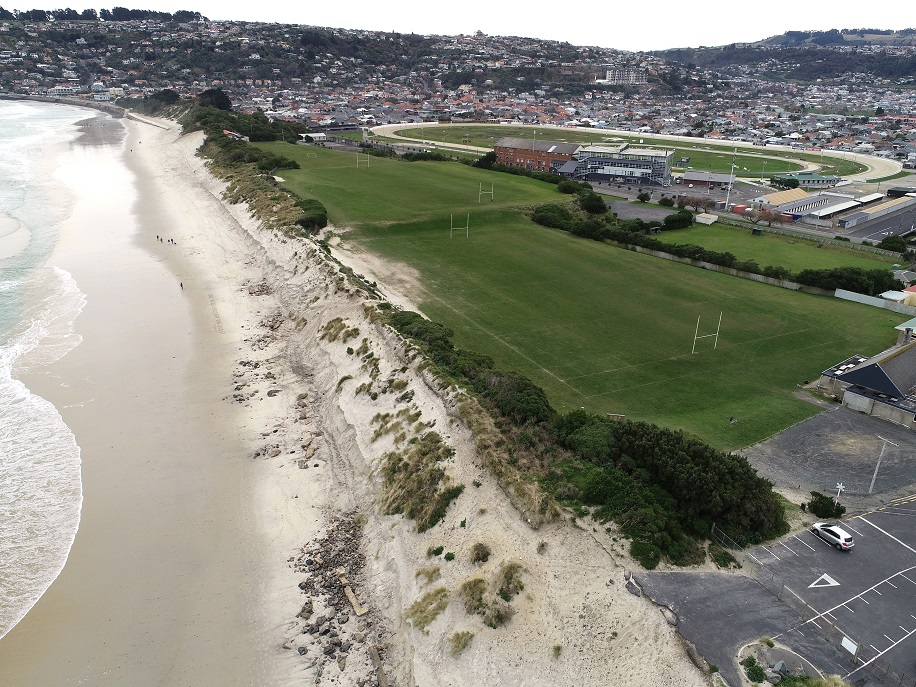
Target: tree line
114, 14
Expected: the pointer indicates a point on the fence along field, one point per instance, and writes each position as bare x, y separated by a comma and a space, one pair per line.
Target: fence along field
597, 327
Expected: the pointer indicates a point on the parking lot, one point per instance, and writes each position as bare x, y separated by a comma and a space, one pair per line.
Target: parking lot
867, 594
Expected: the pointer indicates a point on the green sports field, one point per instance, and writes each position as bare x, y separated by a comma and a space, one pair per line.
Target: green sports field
773, 249
596, 326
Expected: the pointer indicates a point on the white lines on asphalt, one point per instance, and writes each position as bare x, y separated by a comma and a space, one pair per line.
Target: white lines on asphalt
830, 615
860, 596
858, 534
880, 653
756, 560
903, 628
795, 536
889, 639
906, 578
877, 592
849, 609
771, 553
787, 548
892, 584
906, 546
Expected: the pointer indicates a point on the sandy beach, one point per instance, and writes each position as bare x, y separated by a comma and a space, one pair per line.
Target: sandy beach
232, 532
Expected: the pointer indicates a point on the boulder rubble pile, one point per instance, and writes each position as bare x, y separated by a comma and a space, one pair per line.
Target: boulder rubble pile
335, 632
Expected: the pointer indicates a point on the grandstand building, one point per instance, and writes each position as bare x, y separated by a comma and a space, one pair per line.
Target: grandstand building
533, 155
620, 164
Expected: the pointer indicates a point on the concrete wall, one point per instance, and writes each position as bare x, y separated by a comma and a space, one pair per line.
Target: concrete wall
875, 302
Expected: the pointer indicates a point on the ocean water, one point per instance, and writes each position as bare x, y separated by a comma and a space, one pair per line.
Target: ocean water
40, 490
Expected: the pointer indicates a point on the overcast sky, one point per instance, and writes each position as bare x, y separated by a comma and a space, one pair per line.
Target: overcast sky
635, 25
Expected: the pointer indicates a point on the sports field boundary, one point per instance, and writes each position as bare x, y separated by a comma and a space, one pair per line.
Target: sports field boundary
810, 236
751, 276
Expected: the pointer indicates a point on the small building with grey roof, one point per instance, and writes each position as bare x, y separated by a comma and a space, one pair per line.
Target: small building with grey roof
883, 385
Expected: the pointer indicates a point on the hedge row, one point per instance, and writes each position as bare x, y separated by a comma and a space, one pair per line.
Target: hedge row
870, 282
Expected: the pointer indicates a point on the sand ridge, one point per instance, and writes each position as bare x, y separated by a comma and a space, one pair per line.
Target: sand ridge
313, 424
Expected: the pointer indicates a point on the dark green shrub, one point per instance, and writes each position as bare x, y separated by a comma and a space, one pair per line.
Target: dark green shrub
648, 555
667, 202
824, 506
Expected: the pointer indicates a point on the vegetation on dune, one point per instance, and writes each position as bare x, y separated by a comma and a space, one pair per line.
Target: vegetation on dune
415, 483
663, 488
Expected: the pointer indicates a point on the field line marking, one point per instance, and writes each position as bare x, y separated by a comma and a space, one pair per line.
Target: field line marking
906, 546
502, 341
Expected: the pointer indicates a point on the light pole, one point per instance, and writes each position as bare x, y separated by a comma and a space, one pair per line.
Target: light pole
839, 490
731, 177
880, 456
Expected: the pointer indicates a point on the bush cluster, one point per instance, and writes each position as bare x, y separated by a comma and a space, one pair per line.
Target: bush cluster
824, 506
663, 488
314, 214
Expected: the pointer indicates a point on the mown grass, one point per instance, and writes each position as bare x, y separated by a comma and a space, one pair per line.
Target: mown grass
597, 327
389, 190
611, 330
790, 252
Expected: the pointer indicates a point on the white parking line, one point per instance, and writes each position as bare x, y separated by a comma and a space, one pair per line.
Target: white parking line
892, 584
772, 554
858, 534
906, 546
755, 558
903, 628
877, 592
848, 609
787, 548
907, 579
803, 542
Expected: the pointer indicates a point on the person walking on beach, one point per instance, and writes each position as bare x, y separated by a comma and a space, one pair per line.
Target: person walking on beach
181, 284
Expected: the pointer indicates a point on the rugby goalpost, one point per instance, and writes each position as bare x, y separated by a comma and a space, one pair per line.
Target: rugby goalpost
696, 335
360, 160
466, 227
483, 193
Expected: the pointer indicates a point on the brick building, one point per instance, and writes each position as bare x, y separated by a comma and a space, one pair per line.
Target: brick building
533, 155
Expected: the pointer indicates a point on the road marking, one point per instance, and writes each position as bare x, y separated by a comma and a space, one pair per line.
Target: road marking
903, 628
803, 542
849, 609
831, 615
772, 554
790, 550
877, 592
889, 639
824, 581
892, 584
858, 534
756, 560
857, 596
906, 546
906, 578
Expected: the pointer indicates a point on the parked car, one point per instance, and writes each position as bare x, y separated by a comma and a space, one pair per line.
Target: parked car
833, 535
